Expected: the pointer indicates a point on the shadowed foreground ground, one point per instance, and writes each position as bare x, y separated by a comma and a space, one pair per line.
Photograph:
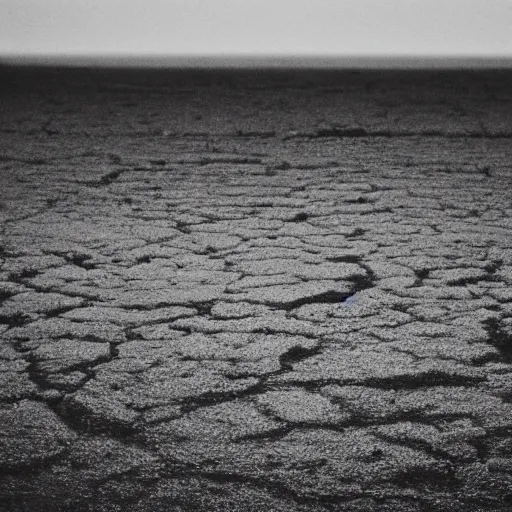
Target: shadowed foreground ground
255, 291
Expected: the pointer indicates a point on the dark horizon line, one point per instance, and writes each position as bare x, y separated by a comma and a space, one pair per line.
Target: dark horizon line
241, 61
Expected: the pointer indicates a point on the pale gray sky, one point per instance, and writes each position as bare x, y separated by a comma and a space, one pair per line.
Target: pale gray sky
346, 27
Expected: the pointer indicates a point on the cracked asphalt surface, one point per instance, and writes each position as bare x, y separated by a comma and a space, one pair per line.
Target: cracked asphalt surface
248, 291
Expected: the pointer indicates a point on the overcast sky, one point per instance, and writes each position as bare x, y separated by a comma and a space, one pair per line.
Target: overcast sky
338, 27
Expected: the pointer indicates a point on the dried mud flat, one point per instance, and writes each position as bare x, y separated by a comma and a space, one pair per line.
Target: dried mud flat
255, 291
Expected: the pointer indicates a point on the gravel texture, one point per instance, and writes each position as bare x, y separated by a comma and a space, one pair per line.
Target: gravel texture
250, 291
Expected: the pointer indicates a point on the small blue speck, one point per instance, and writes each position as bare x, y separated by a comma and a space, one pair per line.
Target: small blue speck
349, 300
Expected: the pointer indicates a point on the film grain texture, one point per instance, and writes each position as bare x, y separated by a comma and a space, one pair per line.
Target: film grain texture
255, 291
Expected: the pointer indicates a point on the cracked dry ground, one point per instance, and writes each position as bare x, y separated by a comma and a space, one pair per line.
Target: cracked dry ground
247, 292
